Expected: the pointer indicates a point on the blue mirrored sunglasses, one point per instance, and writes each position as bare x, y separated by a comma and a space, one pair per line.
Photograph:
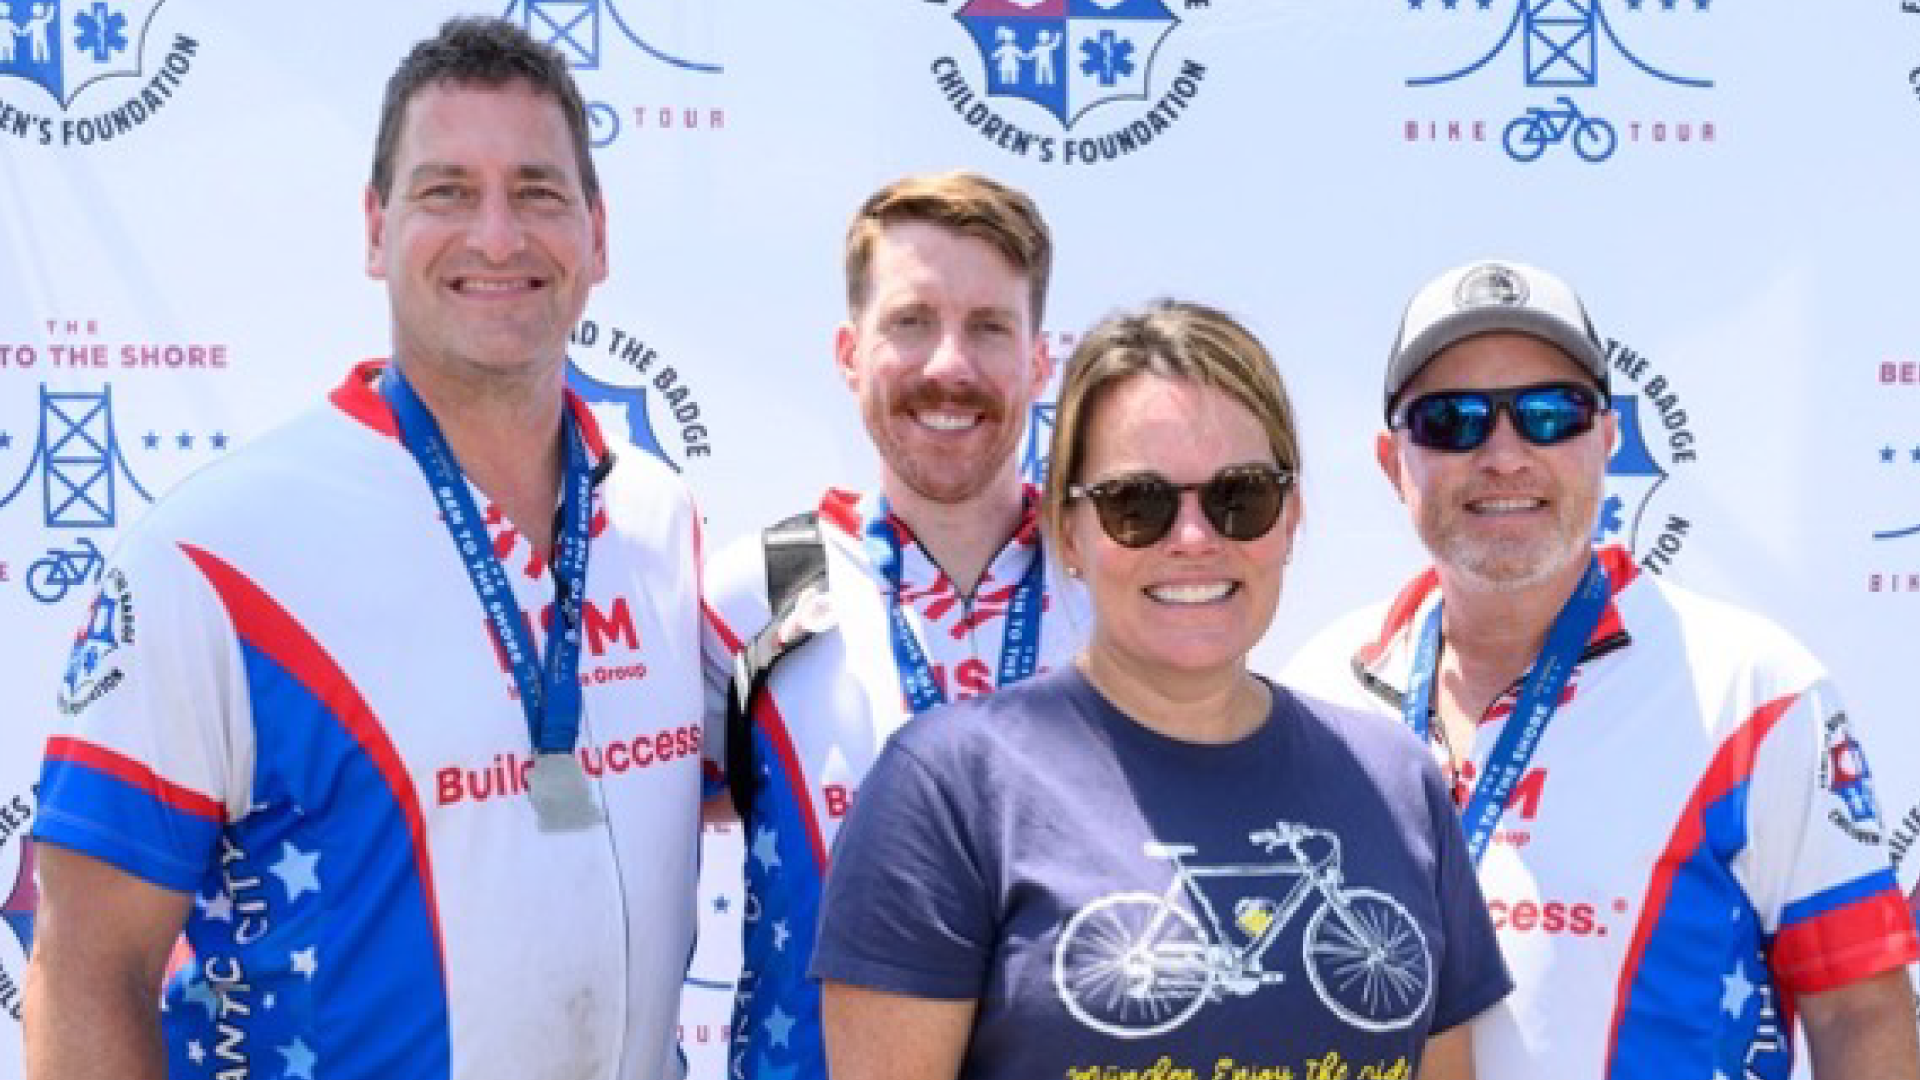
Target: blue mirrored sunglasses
1456, 421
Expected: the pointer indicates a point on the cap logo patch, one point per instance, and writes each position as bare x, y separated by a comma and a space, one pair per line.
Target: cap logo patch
1491, 285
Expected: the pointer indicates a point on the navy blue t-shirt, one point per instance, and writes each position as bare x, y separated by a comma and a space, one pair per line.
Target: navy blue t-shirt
1122, 903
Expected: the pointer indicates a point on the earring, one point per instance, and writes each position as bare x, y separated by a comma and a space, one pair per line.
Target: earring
1073, 571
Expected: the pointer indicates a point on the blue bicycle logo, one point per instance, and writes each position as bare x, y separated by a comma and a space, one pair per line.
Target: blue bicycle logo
51, 575
1527, 137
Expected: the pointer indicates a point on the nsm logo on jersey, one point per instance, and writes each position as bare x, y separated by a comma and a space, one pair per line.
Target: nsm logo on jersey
80, 54
1096, 75
596, 35
1562, 49
1656, 442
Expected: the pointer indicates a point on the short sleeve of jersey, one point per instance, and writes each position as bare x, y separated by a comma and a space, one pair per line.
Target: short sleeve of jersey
1472, 977
1821, 879
907, 907
152, 747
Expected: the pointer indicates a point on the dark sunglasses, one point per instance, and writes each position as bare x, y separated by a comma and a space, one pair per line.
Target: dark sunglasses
1457, 421
1241, 502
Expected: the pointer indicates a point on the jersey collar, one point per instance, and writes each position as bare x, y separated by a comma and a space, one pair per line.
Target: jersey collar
358, 395
1382, 664
840, 509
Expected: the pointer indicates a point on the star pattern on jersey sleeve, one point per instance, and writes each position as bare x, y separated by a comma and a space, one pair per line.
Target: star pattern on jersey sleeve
766, 847
298, 870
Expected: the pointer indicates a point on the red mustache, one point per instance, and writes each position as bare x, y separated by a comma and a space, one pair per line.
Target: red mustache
931, 397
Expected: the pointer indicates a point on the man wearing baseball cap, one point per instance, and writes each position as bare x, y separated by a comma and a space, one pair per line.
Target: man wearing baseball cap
1673, 824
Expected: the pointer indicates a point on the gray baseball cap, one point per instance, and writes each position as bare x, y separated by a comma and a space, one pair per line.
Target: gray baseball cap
1488, 295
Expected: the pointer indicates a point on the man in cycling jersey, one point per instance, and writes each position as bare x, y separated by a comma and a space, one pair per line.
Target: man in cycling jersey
1673, 822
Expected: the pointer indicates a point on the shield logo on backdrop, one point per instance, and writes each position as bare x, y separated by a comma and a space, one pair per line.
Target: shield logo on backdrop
619, 408
67, 45
1632, 477
1033, 459
1067, 56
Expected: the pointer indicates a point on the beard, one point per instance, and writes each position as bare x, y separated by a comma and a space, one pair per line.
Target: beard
1517, 563
938, 467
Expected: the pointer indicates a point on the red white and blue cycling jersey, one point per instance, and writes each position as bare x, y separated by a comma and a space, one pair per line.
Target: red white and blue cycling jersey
1694, 843
831, 705
287, 703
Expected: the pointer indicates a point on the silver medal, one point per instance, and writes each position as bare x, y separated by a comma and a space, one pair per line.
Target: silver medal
561, 798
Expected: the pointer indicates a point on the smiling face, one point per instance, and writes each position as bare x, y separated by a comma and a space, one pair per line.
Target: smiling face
1193, 604
945, 360
1507, 515
488, 242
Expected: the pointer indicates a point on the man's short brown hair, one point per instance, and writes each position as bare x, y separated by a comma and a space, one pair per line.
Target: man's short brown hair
480, 51
969, 204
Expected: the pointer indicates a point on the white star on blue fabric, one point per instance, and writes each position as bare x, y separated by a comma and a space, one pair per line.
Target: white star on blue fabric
200, 993
780, 935
218, 909
300, 1060
305, 961
297, 870
764, 849
195, 1053
1738, 989
779, 1026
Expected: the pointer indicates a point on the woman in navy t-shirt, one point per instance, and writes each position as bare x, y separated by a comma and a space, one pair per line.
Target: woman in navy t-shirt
1155, 864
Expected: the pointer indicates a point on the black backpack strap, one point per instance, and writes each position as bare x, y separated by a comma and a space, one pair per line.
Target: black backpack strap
796, 565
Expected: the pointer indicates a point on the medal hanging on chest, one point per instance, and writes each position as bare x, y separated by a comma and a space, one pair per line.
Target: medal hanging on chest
561, 797
549, 686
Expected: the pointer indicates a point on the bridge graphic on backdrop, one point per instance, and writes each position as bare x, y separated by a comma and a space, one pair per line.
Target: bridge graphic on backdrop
78, 458
1897, 534
1560, 45
78, 461
580, 30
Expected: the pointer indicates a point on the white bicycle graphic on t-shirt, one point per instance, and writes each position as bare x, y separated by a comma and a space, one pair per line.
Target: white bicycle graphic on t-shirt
1135, 964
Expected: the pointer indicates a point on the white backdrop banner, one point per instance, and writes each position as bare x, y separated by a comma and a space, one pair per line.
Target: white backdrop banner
1729, 184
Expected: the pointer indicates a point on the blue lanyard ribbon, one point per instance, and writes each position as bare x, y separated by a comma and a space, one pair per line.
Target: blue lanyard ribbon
1539, 696
549, 694
1019, 644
